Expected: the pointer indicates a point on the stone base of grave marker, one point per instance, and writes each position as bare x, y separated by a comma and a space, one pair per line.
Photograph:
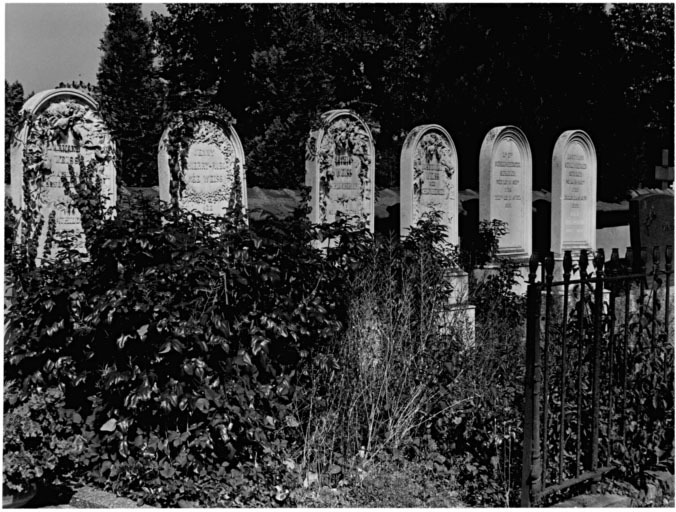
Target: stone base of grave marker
459, 320
493, 269
459, 281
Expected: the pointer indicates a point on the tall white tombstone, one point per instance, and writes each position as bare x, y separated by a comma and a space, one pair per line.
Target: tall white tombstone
340, 169
429, 179
211, 164
505, 180
573, 224
58, 127
429, 182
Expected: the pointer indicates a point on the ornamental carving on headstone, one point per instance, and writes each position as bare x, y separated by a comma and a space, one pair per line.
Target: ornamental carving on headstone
201, 164
60, 129
429, 180
340, 169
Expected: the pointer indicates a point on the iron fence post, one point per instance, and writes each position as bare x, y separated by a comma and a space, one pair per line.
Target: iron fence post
667, 267
567, 267
531, 479
596, 351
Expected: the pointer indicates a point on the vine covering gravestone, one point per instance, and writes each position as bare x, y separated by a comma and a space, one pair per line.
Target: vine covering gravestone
201, 163
429, 179
505, 177
340, 169
59, 130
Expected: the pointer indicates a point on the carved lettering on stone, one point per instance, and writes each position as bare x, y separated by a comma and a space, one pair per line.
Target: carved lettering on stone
429, 179
340, 167
64, 125
505, 177
573, 223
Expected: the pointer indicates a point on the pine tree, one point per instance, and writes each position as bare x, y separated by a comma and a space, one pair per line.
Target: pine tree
128, 94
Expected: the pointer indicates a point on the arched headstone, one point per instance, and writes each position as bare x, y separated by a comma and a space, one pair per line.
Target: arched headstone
58, 127
573, 224
340, 169
505, 178
429, 179
209, 161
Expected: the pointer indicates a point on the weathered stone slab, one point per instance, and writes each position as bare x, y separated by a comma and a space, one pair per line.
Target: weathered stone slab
505, 182
59, 127
88, 497
597, 501
429, 179
208, 165
340, 169
573, 221
651, 223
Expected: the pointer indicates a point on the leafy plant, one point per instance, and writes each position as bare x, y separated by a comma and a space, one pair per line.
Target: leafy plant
38, 440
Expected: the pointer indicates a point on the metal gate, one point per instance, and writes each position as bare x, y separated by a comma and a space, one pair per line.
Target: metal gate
578, 335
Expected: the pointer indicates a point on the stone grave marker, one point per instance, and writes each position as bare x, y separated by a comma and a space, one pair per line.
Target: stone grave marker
573, 221
211, 161
59, 126
664, 173
505, 178
429, 179
429, 182
651, 223
340, 169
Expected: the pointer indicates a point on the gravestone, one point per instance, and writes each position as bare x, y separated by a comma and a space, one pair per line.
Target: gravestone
651, 223
59, 126
429, 179
573, 222
340, 169
429, 182
211, 162
505, 177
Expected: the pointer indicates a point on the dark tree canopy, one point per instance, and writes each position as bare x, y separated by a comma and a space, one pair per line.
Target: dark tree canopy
545, 68
128, 95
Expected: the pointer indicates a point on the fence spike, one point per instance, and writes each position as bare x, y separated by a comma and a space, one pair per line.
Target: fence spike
614, 265
629, 257
599, 260
533, 266
668, 254
644, 258
584, 261
615, 255
549, 265
656, 257
567, 262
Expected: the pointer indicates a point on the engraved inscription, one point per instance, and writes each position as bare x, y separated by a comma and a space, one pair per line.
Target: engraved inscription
507, 191
575, 207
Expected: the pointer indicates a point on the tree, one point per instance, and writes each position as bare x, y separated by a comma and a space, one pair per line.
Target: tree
14, 100
644, 34
128, 93
545, 68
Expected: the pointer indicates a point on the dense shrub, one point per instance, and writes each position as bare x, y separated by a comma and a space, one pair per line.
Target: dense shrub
178, 341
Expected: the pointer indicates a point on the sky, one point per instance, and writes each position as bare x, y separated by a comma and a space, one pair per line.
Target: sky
55, 42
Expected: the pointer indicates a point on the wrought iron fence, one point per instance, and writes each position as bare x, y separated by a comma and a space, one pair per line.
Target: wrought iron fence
577, 349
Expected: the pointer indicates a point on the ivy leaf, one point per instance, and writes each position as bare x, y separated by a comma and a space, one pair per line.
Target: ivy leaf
109, 425
142, 331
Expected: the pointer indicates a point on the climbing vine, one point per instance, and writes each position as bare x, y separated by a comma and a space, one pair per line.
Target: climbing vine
185, 129
349, 137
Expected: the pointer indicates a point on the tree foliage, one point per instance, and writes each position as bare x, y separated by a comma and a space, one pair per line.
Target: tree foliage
128, 93
544, 68
13, 102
